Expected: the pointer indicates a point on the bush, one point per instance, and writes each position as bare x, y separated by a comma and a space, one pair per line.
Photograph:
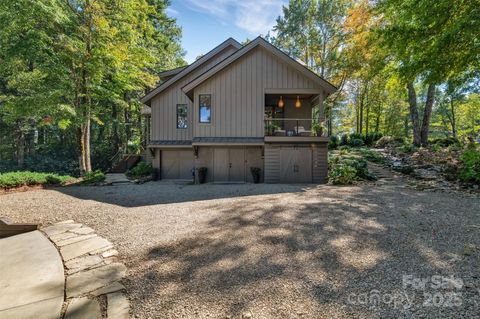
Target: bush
356, 142
408, 148
371, 138
256, 174
344, 139
333, 142
26, 178
389, 141
93, 177
343, 164
445, 141
371, 156
342, 174
470, 165
140, 170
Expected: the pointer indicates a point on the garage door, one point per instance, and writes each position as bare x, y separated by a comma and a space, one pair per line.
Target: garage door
177, 164
229, 164
295, 165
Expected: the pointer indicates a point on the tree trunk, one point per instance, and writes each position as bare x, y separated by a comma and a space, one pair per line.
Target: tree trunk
412, 102
427, 114
116, 137
20, 144
453, 120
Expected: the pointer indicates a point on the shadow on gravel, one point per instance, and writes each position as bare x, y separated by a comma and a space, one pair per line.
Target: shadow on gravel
154, 193
309, 258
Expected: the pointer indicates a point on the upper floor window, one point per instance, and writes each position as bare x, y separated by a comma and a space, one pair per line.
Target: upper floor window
182, 116
205, 103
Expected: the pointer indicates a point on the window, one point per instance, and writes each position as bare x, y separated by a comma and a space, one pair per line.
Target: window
205, 101
182, 116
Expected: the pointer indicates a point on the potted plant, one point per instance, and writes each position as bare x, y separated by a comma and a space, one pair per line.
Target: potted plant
202, 175
318, 129
255, 174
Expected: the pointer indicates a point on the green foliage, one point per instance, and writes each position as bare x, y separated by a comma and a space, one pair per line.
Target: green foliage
445, 141
470, 165
93, 177
344, 140
25, 178
371, 155
346, 166
142, 169
386, 141
342, 174
333, 142
355, 142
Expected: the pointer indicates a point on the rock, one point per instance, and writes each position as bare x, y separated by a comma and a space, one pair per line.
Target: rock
87, 281
59, 237
247, 315
82, 231
426, 174
83, 247
117, 306
83, 308
75, 239
59, 228
110, 253
468, 250
84, 262
116, 286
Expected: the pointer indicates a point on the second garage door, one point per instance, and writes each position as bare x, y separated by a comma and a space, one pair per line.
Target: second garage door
295, 165
177, 164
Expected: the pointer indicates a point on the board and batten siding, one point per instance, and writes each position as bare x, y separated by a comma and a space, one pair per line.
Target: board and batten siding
164, 105
320, 163
238, 94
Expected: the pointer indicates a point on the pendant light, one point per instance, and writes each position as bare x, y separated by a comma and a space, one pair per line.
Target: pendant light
280, 102
298, 104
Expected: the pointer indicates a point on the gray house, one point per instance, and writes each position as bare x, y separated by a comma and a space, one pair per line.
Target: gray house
239, 107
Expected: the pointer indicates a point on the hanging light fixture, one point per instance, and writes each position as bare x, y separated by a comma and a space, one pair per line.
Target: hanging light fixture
298, 104
280, 102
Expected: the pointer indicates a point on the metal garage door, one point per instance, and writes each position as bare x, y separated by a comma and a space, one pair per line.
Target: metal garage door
229, 164
177, 164
295, 165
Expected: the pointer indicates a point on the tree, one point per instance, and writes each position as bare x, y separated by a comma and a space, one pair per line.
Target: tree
425, 40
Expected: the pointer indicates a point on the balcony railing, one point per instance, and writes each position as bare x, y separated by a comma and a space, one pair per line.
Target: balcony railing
294, 127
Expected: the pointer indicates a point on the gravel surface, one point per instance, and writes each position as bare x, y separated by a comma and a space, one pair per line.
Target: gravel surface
280, 251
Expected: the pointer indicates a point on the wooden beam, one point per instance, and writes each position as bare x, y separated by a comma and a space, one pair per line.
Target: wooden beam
7, 228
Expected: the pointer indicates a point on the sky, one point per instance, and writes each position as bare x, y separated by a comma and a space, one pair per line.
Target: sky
207, 23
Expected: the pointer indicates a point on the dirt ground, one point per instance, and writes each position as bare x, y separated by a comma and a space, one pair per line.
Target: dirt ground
375, 250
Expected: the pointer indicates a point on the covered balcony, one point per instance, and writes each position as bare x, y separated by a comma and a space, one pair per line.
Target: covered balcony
294, 117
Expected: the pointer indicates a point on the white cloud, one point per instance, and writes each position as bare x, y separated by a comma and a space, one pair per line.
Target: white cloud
171, 12
254, 16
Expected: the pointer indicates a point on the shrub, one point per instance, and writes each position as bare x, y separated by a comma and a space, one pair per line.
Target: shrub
93, 177
445, 141
470, 165
371, 138
342, 174
371, 156
389, 141
408, 148
356, 142
333, 142
256, 174
26, 178
140, 170
344, 139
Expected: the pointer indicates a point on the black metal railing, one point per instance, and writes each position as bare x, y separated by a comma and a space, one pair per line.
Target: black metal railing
294, 127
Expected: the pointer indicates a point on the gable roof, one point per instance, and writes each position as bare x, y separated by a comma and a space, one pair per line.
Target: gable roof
229, 42
188, 88
172, 72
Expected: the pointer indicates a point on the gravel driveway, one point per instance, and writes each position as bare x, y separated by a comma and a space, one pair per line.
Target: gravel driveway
279, 251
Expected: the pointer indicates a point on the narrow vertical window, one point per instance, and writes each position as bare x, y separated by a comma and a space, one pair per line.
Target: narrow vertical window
182, 116
205, 101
